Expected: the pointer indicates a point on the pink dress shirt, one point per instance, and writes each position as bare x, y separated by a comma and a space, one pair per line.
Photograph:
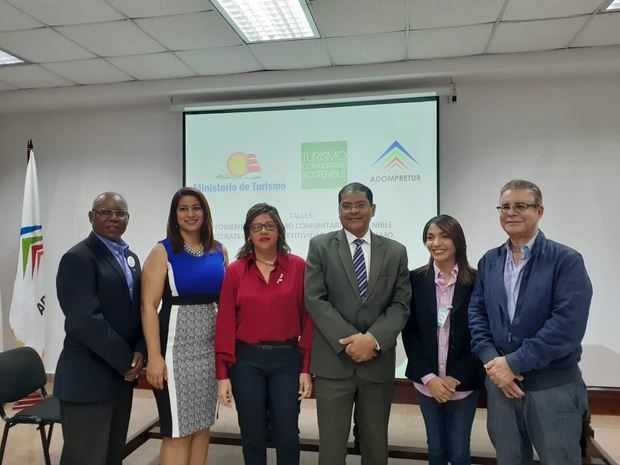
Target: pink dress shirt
444, 293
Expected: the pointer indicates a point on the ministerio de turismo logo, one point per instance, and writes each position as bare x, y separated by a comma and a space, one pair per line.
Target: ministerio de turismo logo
241, 165
243, 174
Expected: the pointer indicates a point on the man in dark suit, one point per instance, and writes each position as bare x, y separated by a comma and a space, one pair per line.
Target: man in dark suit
98, 286
357, 315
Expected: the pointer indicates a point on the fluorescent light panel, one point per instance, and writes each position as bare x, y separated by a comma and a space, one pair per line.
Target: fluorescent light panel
7, 59
615, 5
268, 20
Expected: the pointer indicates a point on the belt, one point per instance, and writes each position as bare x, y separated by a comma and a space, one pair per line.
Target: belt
271, 345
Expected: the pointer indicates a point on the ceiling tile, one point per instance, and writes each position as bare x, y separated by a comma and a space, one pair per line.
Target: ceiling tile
192, 31
31, 76
41, 45
96, 71
112, 39
6, 86
225, 60
61, 12
542, 9
294, 54
156, 66
147, 8
534, 35
372, 48
346, 17
449, 42
603, 29
446, 13
12, 19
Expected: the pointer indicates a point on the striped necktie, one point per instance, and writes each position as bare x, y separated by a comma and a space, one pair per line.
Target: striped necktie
359, 265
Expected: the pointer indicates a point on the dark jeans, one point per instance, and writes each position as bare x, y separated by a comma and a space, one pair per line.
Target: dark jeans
448, 428
95, 432
549, 419
265, 384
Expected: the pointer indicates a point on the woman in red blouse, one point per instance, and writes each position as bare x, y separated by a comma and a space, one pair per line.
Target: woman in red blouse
263, 339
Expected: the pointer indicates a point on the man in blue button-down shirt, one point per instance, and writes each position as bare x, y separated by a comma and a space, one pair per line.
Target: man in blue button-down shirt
98, 285
528, 314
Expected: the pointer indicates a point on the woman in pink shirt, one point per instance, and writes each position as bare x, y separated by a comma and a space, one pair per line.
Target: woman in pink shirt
446, 375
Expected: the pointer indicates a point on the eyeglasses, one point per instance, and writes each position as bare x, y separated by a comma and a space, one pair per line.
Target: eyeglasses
347, 207
517, 207
257, 227
108, 212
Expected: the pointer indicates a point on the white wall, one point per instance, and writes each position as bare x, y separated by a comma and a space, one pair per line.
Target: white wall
80, 153
561, 134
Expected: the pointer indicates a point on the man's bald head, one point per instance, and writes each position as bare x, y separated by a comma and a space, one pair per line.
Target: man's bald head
101, 198
109, 216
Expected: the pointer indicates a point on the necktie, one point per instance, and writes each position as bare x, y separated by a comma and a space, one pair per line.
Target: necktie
359, 265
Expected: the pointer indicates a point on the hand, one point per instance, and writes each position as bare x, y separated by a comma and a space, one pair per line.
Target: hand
500, 372
360, 347
305, 386
439, 390
224, 392
450, 383
156, 371
513, 391
136, 367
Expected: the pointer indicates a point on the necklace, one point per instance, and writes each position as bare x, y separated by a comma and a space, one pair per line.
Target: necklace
199, 252
265, 262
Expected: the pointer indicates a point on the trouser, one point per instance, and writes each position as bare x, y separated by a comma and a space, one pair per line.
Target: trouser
265, 385
549, 419
95, 432
448, 428
334, 403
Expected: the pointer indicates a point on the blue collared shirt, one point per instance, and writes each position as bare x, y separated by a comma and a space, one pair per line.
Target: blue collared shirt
119, 251
513, 274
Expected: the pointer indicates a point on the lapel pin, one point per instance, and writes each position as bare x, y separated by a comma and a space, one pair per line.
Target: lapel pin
131, 262
280, 279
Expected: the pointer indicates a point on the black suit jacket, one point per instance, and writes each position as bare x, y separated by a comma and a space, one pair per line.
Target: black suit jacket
420, 334
102, 323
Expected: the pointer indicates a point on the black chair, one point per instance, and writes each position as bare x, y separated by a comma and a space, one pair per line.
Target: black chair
22, 373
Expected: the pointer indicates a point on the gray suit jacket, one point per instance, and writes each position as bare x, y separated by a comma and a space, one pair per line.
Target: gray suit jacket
333, 300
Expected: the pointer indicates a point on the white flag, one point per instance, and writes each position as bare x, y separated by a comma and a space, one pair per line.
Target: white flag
26, 316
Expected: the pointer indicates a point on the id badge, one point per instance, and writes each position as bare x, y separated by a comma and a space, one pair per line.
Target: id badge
442, 315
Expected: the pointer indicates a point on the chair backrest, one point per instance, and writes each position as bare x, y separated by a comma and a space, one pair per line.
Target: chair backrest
21, 373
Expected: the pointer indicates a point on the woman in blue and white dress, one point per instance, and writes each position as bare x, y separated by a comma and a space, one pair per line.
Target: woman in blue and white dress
184, 272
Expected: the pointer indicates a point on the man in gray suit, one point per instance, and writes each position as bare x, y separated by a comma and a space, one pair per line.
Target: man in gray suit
357, 317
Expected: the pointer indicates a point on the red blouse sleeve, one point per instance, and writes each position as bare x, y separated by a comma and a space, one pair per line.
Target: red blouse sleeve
226, 324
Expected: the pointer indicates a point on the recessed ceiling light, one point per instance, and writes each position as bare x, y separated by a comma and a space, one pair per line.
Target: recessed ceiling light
268, 20
615, 5
7, 59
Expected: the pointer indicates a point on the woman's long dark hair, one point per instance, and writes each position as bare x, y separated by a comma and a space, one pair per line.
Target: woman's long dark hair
253, 212
206, 230
454, 231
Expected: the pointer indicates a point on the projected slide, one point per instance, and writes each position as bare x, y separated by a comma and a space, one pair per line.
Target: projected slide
298, 157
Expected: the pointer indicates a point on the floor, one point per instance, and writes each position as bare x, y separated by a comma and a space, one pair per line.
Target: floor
406, 428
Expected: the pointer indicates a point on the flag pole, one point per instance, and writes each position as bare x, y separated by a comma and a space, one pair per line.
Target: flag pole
29, 148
